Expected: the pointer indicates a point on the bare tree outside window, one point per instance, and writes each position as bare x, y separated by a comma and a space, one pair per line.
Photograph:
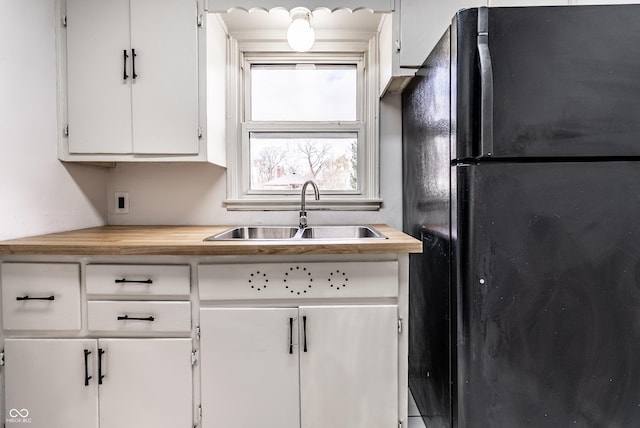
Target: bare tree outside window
268, 164
286, 163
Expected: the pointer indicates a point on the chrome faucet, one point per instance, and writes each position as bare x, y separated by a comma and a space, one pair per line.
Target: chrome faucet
303, 205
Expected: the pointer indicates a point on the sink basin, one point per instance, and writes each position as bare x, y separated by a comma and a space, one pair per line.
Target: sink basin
255, 233
340, 232
270, 233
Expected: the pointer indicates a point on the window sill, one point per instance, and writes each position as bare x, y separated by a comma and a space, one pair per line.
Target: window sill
294, 204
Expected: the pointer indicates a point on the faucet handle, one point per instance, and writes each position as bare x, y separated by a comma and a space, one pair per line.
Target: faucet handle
303, 220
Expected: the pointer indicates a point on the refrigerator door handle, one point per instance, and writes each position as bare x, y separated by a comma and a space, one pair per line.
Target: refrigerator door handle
486, 84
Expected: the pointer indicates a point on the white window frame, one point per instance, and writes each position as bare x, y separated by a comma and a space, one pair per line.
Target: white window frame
363, 53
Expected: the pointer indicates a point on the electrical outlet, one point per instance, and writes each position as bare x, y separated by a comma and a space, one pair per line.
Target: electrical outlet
121, 202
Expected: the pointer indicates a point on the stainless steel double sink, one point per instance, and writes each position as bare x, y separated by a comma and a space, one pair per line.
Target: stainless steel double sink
270, 233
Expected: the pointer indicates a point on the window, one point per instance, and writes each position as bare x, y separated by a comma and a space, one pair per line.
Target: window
303, 124
303, 116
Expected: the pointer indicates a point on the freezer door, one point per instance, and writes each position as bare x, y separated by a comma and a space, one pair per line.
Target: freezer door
548, 295
548, 82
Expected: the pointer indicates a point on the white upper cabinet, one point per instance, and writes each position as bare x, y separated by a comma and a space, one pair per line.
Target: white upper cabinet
375, 5
595, 2
422, 24
409, 34
412, 31
164, 35
99, 95
134, 80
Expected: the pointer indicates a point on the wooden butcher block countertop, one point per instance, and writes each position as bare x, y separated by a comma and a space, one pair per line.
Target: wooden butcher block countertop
188, 241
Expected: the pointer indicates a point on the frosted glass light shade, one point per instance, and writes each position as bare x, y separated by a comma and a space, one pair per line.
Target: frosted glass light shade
300, 35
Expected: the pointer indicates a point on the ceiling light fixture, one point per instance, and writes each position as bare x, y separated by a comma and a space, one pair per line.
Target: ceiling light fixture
300, 35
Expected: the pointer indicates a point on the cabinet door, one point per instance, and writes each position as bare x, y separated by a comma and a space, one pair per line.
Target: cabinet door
99, 97
45, 383
147, 383
249, 367
349, 367
164, 35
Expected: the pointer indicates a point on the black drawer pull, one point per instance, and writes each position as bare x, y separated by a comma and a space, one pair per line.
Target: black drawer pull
124, 68
133, 281
291, 335
304, 329
100, 375
133, 63
35, 298
86, 367
127, 317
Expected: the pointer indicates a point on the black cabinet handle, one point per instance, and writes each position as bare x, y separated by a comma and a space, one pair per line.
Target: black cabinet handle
35, 298
125, 76
304, 332
100, 375
133, 281
291, 335
86, 367
133, 63
127, 317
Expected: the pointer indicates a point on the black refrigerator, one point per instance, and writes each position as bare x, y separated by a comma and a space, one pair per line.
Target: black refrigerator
521, 175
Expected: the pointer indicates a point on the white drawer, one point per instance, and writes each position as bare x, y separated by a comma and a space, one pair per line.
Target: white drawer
159, 317
298, 280
40, 296
139, 280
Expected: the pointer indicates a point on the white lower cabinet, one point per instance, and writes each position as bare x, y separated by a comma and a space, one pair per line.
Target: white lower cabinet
349, 370
105, 383
45, 383
308, 366
249, 373
147, 383
40, 296
293, 343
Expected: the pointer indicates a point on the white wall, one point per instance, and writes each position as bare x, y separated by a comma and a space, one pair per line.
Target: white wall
193, 193
38, 194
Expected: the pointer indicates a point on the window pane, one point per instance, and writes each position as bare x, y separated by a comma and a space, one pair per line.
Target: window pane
305, 92
284, 161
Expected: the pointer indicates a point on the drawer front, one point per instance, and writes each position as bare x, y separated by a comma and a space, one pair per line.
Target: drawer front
40, 296
159, 317
139, 280
298, 280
